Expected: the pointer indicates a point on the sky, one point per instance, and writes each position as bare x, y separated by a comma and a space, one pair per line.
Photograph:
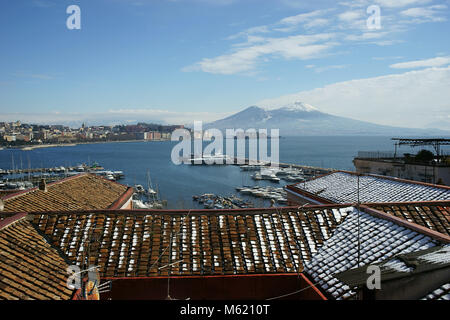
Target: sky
176, 61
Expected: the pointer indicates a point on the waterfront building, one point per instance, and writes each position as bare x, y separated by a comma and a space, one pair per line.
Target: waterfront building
423, 166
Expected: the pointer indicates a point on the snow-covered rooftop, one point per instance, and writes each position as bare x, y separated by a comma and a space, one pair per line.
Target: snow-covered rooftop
441, 293
342, 187
379, 240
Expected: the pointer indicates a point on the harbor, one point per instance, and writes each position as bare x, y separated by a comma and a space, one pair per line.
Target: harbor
261, 185
175, 183
21, 179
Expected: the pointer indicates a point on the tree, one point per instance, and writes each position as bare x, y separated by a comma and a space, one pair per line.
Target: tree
424, 156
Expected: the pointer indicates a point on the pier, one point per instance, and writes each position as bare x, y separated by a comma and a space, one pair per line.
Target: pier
225, 160
80, 168
308, 170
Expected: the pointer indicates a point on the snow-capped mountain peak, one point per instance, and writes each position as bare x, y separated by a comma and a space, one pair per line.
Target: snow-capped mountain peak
295, 106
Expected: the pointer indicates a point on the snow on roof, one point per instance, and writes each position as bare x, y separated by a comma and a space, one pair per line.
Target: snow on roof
380, 240
341, 187
128, 243
441, 293
441, 256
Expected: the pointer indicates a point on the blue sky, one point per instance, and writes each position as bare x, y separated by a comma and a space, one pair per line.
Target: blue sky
185, 60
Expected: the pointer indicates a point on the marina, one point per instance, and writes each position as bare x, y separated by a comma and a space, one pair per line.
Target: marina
21, 179
178, 183
212, 201
276, 195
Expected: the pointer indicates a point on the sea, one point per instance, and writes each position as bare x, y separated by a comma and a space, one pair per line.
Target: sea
179, 183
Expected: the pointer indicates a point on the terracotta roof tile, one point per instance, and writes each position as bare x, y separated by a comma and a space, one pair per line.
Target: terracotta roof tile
379, 240
433, 216
82, 192
441, 293
138, 243
29, 267
341, 187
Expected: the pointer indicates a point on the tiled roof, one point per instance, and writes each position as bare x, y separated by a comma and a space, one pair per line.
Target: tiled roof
341, 187
131, 243
29, 267
81, 192
441, 293
319, 241
435, 216
402, 265
380, 240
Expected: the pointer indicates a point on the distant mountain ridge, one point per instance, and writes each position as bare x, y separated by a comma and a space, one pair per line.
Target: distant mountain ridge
301, 119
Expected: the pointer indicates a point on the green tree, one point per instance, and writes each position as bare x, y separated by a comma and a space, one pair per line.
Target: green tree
424, 156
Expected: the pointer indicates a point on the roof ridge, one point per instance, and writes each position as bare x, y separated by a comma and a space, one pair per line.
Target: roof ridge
407, 224
27, 191
373, 175
11, 220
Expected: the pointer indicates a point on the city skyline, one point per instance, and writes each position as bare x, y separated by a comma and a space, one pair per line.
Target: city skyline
186, 60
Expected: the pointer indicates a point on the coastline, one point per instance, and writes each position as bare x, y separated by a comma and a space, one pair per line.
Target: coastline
54, 145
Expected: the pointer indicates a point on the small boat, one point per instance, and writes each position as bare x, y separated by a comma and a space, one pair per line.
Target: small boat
139, 204
257, 176
139, 188
110, 177
258, 193
118, 174
246, 191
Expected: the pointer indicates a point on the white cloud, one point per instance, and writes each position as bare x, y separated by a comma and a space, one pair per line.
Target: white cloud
366, 36
249, 32
400, 3
410, 99
245, 59
303, 17
350, 16
433, 62
115, 116
319, 22
425, 14
346, 23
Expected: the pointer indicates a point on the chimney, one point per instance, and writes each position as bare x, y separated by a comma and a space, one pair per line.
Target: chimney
2, 205
43, 185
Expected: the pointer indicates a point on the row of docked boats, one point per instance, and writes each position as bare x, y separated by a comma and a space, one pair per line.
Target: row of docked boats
19, 185
276, 174
147, 198
277, 194
28, 178
212, 201
208, 159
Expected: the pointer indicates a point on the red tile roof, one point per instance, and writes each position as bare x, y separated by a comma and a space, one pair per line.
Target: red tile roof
152, 243
342, 187
136, 243
30, 268
81, 192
